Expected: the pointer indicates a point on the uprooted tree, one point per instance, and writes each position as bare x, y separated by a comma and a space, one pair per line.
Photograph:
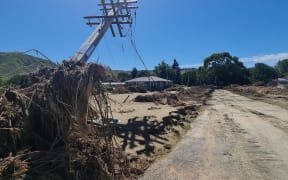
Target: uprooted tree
48, 127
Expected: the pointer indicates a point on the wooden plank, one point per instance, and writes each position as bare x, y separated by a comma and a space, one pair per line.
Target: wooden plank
106, 12
117, 20
121, 2
97, 23
128, 7
98, 17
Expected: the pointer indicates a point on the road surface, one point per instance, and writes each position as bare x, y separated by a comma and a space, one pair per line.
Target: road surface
234, 138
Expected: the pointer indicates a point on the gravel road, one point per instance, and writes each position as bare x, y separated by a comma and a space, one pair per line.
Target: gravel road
234, 138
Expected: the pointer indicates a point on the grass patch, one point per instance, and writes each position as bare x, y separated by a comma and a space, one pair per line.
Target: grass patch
12, 64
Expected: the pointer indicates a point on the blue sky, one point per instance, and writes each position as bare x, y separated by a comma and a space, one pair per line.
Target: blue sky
188, 30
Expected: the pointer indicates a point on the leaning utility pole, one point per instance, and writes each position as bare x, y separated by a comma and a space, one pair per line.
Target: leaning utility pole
114, 13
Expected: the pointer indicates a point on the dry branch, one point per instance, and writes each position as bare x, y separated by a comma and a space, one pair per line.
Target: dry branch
52, 114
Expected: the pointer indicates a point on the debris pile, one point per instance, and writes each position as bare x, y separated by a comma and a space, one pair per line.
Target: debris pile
161, 98
197, 93
12, 116
259, 91
136, 89
176, 96
44, 129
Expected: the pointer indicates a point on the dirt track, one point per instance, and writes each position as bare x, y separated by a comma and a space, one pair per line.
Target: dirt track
234, 138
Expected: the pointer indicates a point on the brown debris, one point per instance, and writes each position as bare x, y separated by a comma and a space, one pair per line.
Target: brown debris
136, 89
161, 98
176, 96
50, 118
12, 168
10, 139
259, 91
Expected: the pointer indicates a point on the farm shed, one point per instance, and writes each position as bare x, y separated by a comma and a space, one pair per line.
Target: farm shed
150, 83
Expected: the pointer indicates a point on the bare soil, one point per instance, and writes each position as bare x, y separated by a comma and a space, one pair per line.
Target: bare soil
234, 138
131, 109
148, 130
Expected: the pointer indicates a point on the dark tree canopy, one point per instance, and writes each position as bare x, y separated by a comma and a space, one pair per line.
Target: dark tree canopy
163, 70
190, 78
134, 73
201, 75
123, 76
143, 73
176, 72
166, 71
262, 72
175, 64
224, 69
282, 67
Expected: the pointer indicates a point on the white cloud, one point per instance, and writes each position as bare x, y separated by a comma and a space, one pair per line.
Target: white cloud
266, 58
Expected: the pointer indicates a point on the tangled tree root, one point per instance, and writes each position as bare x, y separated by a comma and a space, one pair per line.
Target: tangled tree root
53, 139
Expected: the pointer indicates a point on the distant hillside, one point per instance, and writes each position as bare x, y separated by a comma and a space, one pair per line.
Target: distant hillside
18, 63
116, 72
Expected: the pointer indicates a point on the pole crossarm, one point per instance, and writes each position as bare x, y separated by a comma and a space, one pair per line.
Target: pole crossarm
119, 2
112, 14
129, 7
97, 23
104, 16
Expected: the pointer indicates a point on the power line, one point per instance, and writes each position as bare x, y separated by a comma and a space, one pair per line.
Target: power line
132, 41
27, 67
137, 53
37, 52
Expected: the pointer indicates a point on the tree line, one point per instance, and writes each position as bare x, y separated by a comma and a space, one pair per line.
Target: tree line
218, 69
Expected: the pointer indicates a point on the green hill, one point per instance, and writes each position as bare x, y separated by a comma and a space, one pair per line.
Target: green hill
18, 63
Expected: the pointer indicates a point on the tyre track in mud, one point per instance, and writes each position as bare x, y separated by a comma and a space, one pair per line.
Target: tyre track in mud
234, 138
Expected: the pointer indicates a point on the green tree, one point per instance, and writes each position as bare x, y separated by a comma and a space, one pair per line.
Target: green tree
224, 69
262, 72
201, 76
176, 72
163, 70
143, 73
134, 73
19, 80
189, 78
282, 67
123, 76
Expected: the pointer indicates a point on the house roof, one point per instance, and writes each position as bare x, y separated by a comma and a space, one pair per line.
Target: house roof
148, 79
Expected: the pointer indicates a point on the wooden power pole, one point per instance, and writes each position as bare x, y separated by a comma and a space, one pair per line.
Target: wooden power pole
114, 14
